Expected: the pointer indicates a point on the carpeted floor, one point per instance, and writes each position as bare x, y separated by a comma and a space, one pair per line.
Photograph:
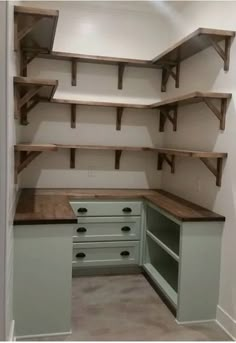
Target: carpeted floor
126, 308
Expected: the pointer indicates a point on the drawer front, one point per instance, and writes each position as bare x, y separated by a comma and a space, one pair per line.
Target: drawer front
93, 229
105, 254
106, 208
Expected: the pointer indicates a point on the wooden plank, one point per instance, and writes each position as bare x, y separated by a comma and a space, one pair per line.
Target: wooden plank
192, 44
34, 11
34, 82
192, 153
103, 147
35, 147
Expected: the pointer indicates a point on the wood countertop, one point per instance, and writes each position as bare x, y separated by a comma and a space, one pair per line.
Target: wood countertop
51, 206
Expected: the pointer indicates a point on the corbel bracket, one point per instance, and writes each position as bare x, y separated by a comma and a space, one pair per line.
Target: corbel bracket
21, 32
72, 158
117, 158
121, 68
169, 159
73, 72
170, 113
224, 53
168, 70
119, 113
73, 116
219, 113
215, 170
24, 159
25, 101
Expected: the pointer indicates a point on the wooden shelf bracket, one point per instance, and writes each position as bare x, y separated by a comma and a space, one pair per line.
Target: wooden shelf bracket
24, 158
73, 72
117, 158
73, 116
170, 161
25, 102
21, 32
170, 69
170, 113
72, 158
119, 113
121, 69
219, 113
224, 53
215, 170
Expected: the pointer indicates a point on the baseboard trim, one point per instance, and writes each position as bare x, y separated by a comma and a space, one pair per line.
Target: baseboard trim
195, 321
44, 335
226, 322
11, 335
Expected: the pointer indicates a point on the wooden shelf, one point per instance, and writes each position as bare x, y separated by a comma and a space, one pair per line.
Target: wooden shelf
27, 93
169, 108
35, 28
190, 45
28, 152
168, 61
169, 155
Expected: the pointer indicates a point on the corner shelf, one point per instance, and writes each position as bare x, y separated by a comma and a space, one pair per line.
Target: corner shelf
169, 107
200, 39
28, 91
163, 245
168, 155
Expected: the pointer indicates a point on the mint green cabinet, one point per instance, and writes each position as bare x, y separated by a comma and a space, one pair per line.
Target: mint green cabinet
183, 260
42, 279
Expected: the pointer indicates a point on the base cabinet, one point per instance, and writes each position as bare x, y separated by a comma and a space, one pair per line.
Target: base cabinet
42, 279
183, 260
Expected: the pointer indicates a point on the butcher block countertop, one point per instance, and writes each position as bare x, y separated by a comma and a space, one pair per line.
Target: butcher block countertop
51, 206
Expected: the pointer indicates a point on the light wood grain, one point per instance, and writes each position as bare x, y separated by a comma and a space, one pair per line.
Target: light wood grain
192, 153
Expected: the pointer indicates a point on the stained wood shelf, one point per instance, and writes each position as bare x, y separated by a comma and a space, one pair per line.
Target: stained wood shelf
168, 61
169, 155
28, 91
35, 30
169, 108
28, 152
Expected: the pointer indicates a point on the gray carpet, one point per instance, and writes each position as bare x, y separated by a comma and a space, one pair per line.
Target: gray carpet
126, 308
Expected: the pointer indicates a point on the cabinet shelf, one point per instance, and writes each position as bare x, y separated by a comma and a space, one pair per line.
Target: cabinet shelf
35, 28
169, 155
171, 294
163, 245
28, 91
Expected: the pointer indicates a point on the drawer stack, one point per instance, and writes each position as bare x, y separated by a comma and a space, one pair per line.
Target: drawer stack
108, 233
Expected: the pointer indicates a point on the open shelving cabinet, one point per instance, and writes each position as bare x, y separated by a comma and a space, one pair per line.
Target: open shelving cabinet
174, 258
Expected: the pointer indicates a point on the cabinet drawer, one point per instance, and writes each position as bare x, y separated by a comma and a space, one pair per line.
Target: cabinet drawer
105, 254
106, 208
92, 229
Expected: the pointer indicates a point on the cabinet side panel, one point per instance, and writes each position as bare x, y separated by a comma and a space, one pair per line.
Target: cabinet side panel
198, 291
42, 279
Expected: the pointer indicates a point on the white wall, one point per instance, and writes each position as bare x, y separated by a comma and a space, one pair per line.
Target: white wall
95, 29
199, 129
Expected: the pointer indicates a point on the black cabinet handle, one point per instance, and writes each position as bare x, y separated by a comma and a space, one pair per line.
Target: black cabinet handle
81, 229
127, 210
80, 255
124, 253
125, 228
82, 210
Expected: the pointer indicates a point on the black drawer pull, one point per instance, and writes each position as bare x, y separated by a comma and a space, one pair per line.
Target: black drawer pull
81, 229
80, 255
127, 210
124, 253
125, 228
82, 210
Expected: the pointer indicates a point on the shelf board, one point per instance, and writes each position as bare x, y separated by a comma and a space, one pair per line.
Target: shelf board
169, 107
162, 283
105, 147
35, 147
35, 28
163, 246
28, 91
192, 44
169, 155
